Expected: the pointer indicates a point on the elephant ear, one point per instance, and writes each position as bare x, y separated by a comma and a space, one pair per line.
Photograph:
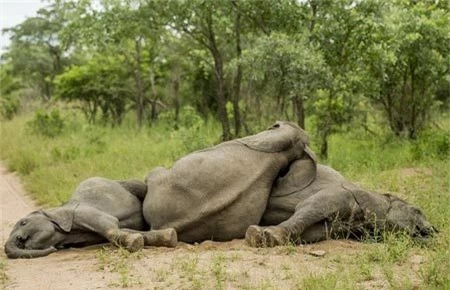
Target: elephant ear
278, 138
62, 216
301, 174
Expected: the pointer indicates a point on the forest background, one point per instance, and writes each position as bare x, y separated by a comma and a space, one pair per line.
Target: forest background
115, 88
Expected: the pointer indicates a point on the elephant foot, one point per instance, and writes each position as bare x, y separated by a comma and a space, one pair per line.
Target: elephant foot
132, 242
266, 236
161, 238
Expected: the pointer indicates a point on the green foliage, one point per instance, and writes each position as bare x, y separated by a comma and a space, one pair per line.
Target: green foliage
193, 130
431, 144
100, 86
9, 88
432, 274
45, 124
35, 54
331, 61
9, 107
3, 276
408, 59
286, 67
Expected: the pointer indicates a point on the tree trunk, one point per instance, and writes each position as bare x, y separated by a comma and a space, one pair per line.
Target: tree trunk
176, 96
238, 77
154, 102
326, 129
218, 67
139, 85
299, 110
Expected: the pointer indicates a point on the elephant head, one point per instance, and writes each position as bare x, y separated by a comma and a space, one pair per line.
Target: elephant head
402, 216
39, 233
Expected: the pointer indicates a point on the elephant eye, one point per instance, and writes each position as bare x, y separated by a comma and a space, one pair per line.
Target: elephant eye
22, 223
417, 211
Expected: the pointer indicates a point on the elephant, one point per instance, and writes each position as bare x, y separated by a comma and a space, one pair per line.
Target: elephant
314, 202
99, 210
218, 192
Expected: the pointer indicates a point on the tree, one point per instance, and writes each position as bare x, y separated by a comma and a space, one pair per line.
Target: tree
101, 86
36, 53
341, 30
289, 70
205, 22
409, 60
130, 29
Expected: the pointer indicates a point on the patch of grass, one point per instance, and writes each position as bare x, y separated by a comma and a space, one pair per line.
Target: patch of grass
319, 282
188, 265
119, 261
3, 276
51, 167
161, 274
433, 274
218, 268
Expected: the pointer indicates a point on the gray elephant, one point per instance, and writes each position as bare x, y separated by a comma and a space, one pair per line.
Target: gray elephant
314, 202
100, 210
218, 192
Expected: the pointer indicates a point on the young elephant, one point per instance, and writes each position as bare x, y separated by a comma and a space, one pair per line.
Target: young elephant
328, 206
99, 210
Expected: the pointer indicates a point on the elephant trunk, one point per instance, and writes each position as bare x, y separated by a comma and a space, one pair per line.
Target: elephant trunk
13, 251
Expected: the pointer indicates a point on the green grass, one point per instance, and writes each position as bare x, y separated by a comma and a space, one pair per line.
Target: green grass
3, 276
119, 260
417, 171
52, 167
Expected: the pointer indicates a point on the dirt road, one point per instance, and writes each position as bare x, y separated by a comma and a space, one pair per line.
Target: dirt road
71, 269
210, 265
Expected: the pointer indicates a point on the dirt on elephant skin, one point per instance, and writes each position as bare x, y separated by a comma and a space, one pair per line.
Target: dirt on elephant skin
209, 265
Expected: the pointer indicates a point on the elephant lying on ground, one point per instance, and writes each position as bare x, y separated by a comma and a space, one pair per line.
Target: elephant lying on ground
328, 206
217, 193
99, 210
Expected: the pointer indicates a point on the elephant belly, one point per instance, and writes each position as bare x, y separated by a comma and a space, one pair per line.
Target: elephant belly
212, 194
206, 205
78, 239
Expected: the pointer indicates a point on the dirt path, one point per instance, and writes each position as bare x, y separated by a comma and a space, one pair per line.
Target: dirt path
210, 265
70, 269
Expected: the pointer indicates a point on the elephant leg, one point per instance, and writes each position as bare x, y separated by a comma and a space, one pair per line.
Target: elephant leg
158, 238
321, 206
316, 233
94, 220
135, 187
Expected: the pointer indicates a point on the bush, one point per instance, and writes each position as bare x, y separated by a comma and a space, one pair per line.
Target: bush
24, 161
431, 144
50, 125
9, 107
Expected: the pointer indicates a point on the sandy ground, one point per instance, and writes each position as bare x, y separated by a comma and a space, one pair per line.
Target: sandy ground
210, 265
69, 269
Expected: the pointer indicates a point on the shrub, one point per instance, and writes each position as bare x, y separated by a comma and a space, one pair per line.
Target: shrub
431, 144
9, 107
50, 125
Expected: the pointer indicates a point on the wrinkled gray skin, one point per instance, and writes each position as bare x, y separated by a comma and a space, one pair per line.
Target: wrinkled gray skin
97, 212
218, 192
328, 206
